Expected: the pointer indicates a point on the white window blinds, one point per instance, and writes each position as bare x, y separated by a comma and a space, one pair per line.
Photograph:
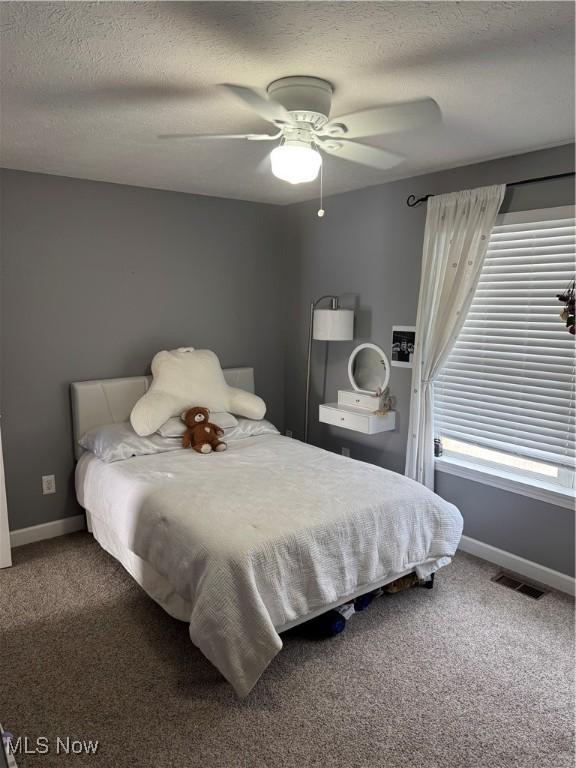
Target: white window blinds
509, 381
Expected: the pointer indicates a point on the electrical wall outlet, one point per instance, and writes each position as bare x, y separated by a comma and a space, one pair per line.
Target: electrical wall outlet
346, 452
48, 484
288, 433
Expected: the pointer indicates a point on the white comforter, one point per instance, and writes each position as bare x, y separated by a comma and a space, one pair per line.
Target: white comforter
265, 533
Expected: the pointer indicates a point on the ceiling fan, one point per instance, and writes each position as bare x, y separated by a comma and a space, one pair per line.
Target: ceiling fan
299, 107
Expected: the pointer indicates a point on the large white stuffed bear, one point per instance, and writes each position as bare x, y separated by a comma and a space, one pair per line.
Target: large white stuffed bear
184, 378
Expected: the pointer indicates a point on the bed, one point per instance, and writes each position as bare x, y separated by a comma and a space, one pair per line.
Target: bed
246, 544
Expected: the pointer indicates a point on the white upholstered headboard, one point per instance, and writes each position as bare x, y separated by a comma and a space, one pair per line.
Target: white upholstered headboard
106, 401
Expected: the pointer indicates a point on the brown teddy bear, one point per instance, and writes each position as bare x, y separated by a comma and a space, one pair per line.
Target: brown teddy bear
200, 434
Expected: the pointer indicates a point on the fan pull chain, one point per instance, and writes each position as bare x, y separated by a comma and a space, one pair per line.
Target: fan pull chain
321, 210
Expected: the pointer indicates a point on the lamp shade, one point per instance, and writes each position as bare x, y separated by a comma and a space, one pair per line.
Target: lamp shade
333, 324
295, 162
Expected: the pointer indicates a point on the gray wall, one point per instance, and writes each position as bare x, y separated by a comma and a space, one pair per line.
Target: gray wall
367, 249
528, 527
96, 279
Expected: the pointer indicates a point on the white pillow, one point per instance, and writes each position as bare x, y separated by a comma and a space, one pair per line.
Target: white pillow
246, 404
175, 427
251, 428
184, 378
116, 442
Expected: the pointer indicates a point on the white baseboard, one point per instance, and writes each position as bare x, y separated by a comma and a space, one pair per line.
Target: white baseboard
47, 530
527, 568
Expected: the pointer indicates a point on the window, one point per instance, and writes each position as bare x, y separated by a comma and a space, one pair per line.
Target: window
505, 397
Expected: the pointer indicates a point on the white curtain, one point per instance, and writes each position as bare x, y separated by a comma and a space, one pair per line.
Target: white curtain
458, 227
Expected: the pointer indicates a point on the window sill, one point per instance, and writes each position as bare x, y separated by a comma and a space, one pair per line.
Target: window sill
507, 481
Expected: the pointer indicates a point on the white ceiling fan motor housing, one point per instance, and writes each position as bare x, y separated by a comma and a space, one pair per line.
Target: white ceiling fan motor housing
308, 99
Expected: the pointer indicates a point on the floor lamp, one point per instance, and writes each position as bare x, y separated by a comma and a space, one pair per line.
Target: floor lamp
333, 324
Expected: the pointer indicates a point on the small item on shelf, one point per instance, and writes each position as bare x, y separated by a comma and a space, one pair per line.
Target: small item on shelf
438, 450
567, 298
385, 401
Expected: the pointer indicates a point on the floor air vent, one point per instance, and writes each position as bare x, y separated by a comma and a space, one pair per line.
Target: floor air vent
505, 580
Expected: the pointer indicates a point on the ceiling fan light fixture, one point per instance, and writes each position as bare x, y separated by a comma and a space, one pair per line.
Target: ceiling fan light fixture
295, 162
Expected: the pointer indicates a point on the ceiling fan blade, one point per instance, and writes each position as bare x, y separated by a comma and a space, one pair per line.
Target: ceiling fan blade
246, 136
260, 103
361, 153
382, 120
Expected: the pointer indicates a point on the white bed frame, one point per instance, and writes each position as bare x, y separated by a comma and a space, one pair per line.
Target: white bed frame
107, 401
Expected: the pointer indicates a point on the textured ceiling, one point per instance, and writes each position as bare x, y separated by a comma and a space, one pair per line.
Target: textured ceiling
86, 87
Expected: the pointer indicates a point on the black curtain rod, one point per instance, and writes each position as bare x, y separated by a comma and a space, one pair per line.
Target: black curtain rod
413, 201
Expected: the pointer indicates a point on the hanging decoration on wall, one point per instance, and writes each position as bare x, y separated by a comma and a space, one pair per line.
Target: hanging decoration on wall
567, 314
403, 340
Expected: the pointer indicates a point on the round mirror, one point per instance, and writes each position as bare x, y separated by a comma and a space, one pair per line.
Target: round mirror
368, 369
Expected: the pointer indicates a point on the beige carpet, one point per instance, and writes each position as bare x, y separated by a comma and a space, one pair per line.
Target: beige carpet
468, 675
